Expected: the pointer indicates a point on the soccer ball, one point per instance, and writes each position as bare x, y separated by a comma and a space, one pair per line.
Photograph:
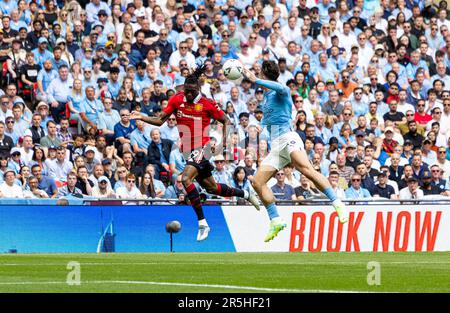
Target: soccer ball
232, 69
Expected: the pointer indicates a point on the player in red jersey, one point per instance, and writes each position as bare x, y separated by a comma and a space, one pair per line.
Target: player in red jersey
194, 112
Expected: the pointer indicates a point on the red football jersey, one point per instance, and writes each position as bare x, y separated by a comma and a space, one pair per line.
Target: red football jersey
193, 119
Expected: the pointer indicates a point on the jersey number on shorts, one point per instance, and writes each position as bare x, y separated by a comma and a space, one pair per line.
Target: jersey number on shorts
196, 155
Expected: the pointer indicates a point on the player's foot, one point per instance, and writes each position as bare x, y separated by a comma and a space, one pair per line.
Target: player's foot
203, 232
253, 198
275, 228
341, 210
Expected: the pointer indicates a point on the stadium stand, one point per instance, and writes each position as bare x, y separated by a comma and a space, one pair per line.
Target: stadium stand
370, 83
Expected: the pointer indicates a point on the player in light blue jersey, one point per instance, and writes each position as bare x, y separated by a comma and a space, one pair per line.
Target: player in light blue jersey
287, 147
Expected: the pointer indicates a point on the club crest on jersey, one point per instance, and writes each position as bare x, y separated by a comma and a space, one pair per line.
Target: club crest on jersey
198, 107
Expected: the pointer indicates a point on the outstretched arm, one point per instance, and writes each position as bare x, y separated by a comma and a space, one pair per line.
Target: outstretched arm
276, 86
157, 121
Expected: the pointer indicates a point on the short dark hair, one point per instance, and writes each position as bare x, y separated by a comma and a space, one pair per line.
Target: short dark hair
271, 70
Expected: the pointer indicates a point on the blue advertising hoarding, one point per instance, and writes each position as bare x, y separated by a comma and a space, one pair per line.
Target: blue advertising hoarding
137, 228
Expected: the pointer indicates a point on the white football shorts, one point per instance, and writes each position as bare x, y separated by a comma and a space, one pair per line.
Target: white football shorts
281, 149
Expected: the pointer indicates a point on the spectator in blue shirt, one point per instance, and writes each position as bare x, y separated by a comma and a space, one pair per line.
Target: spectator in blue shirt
90, 111
281, 190
140, 137
45, 183
355, 191
123, 130
41, 54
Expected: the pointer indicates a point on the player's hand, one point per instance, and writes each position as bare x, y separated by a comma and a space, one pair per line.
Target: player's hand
249, 75
135, 115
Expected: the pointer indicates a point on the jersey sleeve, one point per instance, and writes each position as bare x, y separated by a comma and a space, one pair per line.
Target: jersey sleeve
277, 87
171, 106
215, 110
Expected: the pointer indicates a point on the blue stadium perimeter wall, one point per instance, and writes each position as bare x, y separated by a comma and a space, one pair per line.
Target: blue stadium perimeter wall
37, 228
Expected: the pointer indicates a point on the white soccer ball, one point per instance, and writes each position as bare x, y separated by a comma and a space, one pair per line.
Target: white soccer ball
232, 69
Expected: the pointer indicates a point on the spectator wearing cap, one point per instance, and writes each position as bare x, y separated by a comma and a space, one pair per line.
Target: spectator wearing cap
428, 187
108, 171
191, 30
94, 8
428, 155
67, 48
8, 189
382, 189
103, 189
355, 191
412, 191
58, 92
41, 54
108, 27
243, 26
352, 160
15, 162
17, 57
203, 24
90, 160
60, 167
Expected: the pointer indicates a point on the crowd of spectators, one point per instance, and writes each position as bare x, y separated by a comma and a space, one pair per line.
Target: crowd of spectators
370, 83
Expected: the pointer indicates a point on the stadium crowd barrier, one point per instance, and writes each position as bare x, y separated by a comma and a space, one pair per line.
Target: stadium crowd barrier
93, 225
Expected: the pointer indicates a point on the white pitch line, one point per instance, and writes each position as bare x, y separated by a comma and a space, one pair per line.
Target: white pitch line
218, 263
126, 282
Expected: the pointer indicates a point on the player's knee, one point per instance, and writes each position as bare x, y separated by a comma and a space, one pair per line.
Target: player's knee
256, 184
307, 170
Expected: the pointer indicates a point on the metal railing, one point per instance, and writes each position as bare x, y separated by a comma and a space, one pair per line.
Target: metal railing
312, 202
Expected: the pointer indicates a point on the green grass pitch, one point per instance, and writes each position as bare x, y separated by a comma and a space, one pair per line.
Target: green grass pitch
227, 272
